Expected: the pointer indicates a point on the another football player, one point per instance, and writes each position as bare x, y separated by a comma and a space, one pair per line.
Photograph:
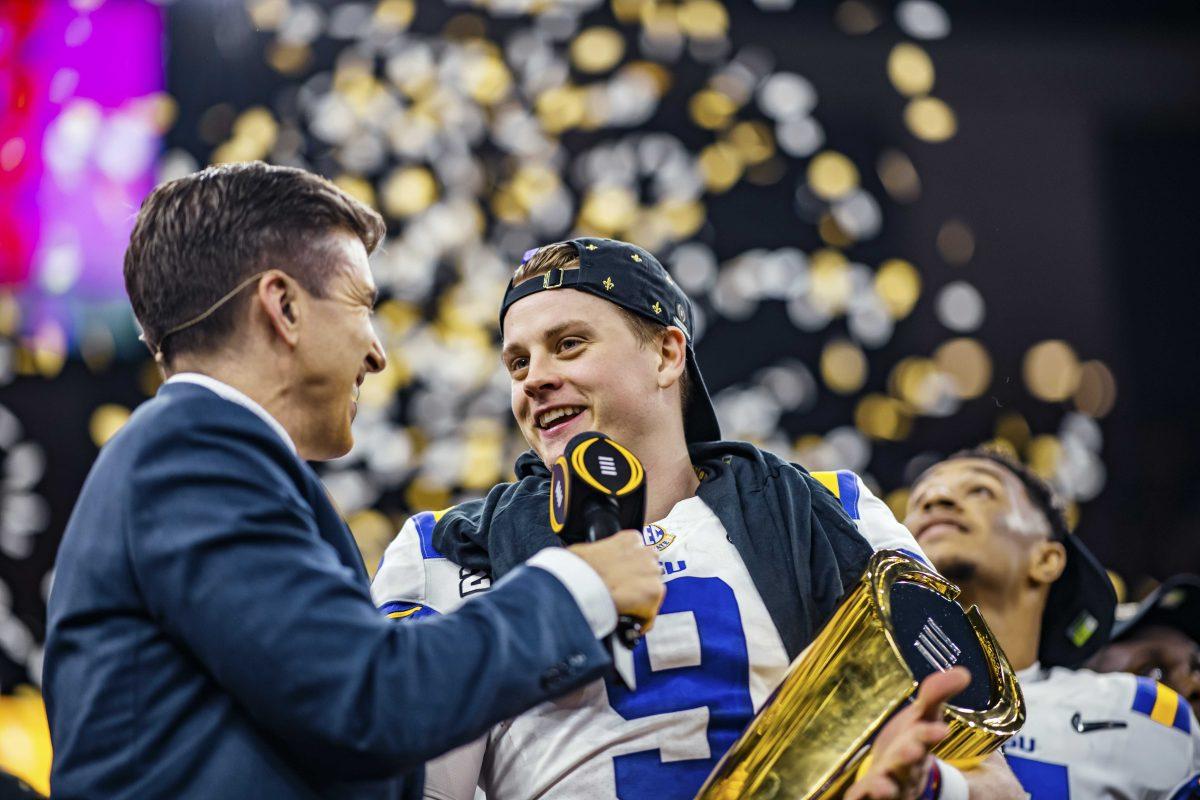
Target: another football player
998, 531
1160, 638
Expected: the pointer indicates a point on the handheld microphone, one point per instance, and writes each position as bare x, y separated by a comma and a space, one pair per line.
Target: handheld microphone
597, 488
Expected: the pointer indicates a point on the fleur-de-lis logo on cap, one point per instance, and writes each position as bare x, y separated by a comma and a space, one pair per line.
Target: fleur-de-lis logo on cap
608, 283
636, 258
589, 246
656, 308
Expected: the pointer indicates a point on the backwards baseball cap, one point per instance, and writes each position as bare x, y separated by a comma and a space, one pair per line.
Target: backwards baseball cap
1174, 604
632, 278
1081, 604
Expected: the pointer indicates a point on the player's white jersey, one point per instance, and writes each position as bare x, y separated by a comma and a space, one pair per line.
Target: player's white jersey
875, 521
1116, 736
710, 661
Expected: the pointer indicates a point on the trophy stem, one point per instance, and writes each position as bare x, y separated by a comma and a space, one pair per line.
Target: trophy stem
814, 726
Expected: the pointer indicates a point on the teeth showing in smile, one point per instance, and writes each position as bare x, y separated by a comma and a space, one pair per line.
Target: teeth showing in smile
548, 418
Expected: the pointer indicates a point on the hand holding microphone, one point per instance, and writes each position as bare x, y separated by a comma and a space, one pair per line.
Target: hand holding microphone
633, 577
598, 488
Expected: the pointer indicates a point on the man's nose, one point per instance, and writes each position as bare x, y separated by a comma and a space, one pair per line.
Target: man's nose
376, 358
541, 376
936, 497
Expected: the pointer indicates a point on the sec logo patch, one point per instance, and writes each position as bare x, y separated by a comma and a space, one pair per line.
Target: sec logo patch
654, 536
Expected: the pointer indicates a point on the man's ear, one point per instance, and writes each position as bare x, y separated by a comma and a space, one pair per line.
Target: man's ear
278, 296
672, 356
1047, 562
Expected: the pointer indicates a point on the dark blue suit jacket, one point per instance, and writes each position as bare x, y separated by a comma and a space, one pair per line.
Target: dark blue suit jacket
211, 632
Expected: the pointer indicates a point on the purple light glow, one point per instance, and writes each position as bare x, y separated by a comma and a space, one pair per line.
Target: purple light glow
90, 132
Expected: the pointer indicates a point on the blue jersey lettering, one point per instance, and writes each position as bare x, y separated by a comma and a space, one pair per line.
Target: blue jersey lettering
720, 683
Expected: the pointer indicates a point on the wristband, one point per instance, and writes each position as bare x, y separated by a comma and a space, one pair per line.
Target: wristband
953, 783
933, 784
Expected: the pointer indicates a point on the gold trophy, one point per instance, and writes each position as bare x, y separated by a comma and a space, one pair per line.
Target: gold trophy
897, 626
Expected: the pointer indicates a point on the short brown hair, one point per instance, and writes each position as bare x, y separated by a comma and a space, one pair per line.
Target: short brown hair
198, 237
563, 255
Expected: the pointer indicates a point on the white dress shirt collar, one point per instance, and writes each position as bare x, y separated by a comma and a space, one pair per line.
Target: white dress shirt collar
233, 395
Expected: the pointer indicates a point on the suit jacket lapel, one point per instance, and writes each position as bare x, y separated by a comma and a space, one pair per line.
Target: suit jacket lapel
329, 522
332, 527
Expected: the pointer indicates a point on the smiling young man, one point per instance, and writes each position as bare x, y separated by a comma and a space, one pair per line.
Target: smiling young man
211, 631
998, 531
756, 553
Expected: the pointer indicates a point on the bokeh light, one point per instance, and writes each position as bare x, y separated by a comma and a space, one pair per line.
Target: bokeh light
923, 19
899, 176
1096, 393
910, 69
883, 417
831, 175
956, 242
960, 307
843, 366
856, 17
597, 49
930, 119
106, 421
967, 362
1051, 371
898, 284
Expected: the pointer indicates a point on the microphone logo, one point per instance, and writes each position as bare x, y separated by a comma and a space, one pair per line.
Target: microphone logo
605, 465
560, 494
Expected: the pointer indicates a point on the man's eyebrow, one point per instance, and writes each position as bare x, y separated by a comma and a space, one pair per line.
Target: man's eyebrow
550, 333
996, 472
509, 350
557, 330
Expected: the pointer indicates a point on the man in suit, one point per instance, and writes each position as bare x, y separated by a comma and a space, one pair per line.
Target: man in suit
211, 631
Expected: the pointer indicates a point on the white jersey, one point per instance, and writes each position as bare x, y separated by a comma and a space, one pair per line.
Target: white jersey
711, 660
1115, 736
